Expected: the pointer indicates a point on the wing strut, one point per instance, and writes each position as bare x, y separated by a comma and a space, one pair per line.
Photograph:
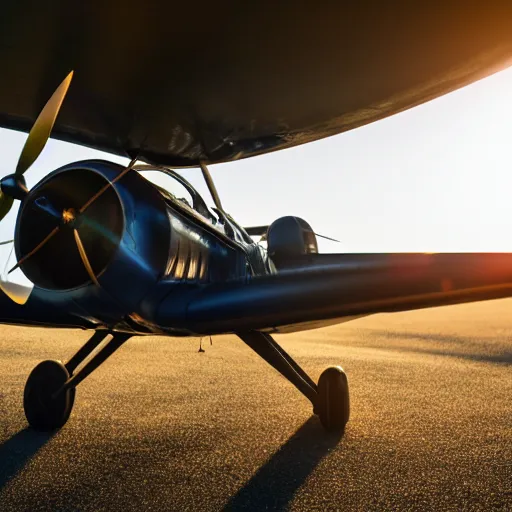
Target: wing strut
211, 186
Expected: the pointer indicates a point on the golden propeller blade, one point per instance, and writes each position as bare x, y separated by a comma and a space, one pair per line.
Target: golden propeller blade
5, 204
85, 259
16, 292
53, 232
40, 132
80, 246
107, 186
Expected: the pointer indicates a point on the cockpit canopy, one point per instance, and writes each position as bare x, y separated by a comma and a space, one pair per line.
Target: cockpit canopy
177, 189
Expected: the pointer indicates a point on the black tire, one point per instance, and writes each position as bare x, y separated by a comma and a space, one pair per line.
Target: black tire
43, 412
333, 405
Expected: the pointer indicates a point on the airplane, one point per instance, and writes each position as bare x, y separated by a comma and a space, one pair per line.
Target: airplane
188, 85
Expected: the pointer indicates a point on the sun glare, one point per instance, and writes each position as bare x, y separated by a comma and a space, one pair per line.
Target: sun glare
437, 177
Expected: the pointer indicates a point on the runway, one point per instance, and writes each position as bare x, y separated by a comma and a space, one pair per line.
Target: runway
162, 427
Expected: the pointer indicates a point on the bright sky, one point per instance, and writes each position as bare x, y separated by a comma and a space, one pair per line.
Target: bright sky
434, 178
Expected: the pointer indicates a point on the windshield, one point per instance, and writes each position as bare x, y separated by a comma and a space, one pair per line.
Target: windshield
179, 190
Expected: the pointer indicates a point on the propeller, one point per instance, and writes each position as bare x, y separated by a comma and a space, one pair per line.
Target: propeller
18, 293
13, 186
261, 231
327, 238
71, 219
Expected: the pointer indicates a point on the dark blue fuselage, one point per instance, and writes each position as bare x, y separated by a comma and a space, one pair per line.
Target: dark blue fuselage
161, 251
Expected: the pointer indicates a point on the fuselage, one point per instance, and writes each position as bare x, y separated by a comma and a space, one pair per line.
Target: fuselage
145, 246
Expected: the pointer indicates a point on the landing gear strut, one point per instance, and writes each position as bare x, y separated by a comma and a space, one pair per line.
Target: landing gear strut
50, 389
330, 398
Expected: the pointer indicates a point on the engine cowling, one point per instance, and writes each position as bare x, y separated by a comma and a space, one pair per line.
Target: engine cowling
288, 238
139, 243
125, 233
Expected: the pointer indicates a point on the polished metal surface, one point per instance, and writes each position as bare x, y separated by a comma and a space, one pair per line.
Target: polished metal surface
171, 270
351, 285
138, 242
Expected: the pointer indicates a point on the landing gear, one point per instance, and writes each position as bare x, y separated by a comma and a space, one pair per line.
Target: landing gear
333, 403
45, 412
50, 389
330, 398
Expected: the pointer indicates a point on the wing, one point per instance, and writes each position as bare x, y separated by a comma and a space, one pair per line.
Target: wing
323, 289
179, 82
40, 312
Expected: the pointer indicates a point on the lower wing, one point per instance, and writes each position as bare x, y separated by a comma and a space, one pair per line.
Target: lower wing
323, 289
38, 311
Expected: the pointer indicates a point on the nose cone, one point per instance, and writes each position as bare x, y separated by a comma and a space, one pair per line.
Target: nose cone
14, 186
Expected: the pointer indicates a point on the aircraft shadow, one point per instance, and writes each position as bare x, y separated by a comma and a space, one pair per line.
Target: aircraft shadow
17, 451
497, 358
276, 482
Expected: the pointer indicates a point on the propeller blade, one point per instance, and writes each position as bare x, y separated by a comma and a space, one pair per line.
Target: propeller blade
80, 246
40, 132
327, 238
53, 232
262, 232
85, 259
107, 186
16, 292
5, 204
264, 237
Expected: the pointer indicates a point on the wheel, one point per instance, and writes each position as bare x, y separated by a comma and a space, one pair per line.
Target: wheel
333, 405
43, 412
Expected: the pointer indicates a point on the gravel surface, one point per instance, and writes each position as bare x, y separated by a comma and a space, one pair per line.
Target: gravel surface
162, 427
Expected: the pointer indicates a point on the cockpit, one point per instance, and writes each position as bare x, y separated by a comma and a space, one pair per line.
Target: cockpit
178, 191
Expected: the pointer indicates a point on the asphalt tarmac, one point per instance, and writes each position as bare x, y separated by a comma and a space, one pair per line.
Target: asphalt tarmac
162, 427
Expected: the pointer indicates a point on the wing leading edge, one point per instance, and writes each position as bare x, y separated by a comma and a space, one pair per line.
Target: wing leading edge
325, 289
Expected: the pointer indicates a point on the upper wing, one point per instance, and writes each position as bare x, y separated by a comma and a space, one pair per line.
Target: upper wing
326, 288
179, 82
